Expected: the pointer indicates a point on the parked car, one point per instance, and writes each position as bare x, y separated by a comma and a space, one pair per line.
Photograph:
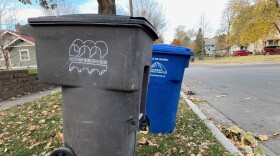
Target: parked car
242, 53
271, 50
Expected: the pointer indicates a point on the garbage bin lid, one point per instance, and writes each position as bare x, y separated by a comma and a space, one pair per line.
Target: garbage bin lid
171, 49
96, 19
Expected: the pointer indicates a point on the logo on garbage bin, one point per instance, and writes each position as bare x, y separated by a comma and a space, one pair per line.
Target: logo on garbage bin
158, 68
88, 56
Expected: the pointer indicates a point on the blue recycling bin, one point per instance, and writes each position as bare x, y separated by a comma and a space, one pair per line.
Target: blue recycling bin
166, 75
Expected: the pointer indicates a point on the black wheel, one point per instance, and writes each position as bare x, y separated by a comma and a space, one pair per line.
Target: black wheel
62, 151
143, 123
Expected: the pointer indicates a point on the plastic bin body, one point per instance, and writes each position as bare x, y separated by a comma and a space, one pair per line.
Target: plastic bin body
167, 71
101, 62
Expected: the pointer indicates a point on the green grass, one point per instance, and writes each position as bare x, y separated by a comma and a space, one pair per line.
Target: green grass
191, 136
32, 71
35, 128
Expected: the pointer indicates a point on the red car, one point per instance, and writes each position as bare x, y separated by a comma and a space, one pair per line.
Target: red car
242, 53
271, 50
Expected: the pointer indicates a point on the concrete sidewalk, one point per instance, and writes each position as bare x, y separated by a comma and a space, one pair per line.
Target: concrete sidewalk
26, 98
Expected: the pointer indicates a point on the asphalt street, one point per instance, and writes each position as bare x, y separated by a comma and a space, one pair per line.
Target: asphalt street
247, 94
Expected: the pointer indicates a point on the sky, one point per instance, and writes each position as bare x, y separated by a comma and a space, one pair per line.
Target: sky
178, 12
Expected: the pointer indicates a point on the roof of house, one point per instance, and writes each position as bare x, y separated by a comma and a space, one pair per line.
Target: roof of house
24, 37
209, 41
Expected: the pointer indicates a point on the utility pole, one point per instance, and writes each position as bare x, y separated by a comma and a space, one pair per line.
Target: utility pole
131, 8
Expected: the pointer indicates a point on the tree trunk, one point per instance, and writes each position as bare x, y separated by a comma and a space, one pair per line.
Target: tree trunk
6, 59
106, 7
131, 8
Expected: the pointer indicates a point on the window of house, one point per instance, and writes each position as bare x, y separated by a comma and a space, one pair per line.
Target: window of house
1, 56
24, 55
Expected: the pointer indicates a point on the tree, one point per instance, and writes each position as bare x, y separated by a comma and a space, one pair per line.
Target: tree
8, 19
64, 7
153, 11
254, 21
46, 4
182, 36
199, 42
106, 7
175, 42
205, 29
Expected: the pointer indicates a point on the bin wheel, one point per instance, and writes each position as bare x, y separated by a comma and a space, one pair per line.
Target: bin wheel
62, 151
143, 123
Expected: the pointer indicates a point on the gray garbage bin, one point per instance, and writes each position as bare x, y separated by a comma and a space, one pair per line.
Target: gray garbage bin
102, 63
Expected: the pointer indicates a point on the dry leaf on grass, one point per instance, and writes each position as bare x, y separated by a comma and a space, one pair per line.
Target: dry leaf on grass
42, 121
142, 141
151, 143
158, 154
59, 136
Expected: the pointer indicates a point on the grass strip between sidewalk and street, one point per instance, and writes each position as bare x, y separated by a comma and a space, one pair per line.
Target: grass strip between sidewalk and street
240, 59
35, 129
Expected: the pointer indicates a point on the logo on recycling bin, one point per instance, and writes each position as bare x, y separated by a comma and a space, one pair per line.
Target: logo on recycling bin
88, 56
158, 68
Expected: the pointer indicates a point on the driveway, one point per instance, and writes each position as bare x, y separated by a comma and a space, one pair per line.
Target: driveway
248, 94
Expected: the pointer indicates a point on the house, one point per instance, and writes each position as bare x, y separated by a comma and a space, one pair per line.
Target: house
209, 45
21, 49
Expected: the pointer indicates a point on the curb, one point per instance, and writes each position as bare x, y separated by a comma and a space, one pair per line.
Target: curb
216, 132
26, 98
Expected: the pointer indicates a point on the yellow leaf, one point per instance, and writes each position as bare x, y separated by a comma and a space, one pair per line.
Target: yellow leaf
263, 137
142, 141
59, 136
143, 132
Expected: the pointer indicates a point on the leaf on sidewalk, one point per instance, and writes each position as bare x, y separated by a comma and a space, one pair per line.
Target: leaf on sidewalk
263, 137
249, 139
274, 133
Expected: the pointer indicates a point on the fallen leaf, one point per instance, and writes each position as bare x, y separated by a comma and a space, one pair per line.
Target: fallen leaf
142, 141
143, 132
274, 133
248, 139
235, 129
59, 136
31, 127
27, 133
158, 154
258, 150
263, 137
151, 143
24, 139
248, 150
42, 121
48, 144
174, 150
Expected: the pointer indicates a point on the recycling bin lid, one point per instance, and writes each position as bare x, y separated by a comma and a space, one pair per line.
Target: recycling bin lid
95, 19
171, 49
